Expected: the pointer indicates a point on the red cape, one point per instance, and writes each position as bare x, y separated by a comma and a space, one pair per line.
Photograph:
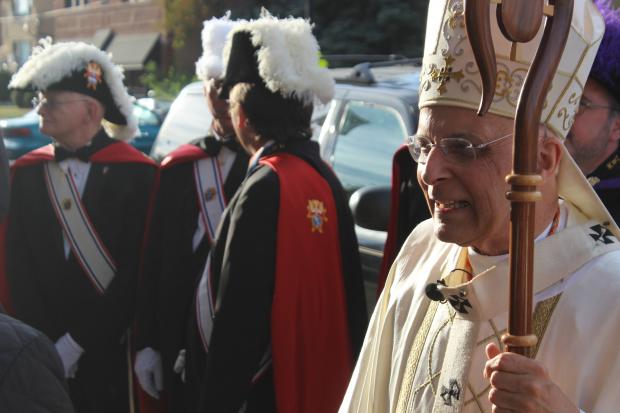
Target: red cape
184, 153
311, 347
390, 250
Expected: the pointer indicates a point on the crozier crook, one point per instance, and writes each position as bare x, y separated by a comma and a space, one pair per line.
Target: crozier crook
520, 21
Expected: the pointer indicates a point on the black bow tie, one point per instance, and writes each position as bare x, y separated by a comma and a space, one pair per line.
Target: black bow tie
100, 141
83, 154
212, 145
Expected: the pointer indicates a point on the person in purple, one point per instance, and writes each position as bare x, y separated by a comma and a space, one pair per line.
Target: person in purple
594, 138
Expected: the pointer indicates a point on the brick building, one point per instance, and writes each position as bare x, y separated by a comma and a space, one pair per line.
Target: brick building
132, 31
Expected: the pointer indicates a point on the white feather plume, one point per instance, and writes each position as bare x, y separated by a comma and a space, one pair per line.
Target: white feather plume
214, 33
288, 57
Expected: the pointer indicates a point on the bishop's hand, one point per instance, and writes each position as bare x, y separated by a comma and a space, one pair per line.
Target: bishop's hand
520, 384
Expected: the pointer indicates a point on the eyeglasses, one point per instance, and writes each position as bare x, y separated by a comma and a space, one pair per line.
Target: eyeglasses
455, 149
585, 104
39, 102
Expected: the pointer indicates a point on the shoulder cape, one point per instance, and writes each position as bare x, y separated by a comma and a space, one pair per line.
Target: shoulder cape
184, 153
311, 347
117, 152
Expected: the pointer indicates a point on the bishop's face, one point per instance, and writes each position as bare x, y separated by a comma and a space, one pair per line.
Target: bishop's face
467, 197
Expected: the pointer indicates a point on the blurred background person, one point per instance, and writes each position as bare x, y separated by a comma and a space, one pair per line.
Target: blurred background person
197, 180
281, 303
594, 137
77, 219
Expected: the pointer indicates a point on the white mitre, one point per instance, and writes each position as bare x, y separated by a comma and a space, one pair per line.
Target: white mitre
450, 77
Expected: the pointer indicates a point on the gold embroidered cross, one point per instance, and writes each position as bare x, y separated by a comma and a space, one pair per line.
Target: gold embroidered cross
444, 74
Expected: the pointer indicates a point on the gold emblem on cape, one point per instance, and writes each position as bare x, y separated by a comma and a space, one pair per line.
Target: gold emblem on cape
317, 214
210, 193
66, 203
92, 75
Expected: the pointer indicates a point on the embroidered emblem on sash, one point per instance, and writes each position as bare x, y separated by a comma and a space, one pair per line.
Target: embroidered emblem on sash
92, 75
317, 214
454, 391
66, 203
210, 194
459, 302
602, 235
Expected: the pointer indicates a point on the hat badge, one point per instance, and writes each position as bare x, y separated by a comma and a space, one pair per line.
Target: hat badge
317, 215
92, 75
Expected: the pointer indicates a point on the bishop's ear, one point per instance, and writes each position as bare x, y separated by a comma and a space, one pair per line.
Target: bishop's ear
549, 155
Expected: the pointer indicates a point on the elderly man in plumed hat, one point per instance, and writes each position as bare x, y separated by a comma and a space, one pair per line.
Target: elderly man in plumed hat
197, 181
594, 138
434, 338
280, 305
77, 219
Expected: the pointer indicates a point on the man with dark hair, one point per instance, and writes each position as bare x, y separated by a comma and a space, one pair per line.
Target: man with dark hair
594, 139
77, 218
197, 180
281, 306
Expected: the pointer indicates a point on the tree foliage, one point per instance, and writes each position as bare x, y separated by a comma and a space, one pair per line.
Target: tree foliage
360, 26
183, 18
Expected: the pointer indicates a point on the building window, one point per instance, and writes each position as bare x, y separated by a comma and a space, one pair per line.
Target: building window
21, 51
22, 7
75, 3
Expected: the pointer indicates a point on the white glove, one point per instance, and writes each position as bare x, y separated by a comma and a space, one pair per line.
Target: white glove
179, 364
149, 370
70, 352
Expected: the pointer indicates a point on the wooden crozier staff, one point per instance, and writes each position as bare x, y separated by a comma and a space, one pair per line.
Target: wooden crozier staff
519, 21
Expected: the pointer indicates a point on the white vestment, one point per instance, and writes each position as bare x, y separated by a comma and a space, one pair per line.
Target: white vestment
577, 316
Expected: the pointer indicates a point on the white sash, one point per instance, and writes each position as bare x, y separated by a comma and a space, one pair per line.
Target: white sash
205, 305
90, 252
209, 182
210, 193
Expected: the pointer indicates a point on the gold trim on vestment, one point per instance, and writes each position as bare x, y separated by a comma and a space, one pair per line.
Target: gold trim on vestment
541, 317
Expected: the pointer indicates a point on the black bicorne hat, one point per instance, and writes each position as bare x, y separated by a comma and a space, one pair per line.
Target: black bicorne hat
89, 81
242, 66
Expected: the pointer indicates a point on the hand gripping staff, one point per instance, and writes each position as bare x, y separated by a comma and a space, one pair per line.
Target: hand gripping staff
519, 21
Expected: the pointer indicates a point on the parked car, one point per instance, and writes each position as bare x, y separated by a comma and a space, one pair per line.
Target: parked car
22, 134
189, 118
370, 117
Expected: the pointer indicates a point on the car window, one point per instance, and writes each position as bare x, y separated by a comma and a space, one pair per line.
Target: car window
188, 119
368, 136
319, 113
145, 116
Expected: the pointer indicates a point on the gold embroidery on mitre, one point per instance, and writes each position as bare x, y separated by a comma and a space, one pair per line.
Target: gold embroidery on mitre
92, 75
66, 203
445, 74
317, 215
567, 113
